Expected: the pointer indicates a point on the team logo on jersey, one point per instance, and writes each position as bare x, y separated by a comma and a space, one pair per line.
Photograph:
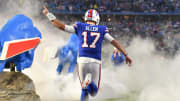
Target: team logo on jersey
107, 30
75, 25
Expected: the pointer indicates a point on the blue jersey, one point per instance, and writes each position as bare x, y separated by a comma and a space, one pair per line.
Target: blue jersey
90, 39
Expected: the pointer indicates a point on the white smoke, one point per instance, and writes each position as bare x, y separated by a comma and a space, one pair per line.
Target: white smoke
152, 77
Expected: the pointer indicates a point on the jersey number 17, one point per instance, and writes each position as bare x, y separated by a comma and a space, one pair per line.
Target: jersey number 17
93, 44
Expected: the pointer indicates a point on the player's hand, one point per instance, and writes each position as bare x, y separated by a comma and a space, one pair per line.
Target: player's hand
128, 61
45, 10
114, 55
116, 51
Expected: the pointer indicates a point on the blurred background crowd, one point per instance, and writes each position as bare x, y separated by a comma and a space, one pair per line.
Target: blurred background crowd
117, 5
155, 19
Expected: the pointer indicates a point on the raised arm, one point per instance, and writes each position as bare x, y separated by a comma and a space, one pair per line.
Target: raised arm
116, 44
56, 22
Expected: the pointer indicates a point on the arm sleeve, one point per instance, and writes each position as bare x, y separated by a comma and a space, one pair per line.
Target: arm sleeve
70, 29
74, 28
108, 37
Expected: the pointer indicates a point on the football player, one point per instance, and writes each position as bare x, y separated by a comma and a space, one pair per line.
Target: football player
91, 36
68, 54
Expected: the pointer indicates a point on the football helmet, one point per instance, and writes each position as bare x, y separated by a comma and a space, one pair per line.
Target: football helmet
92, 15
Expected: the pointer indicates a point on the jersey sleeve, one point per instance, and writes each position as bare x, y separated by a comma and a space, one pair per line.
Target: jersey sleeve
106, 31
107, 36
77, 26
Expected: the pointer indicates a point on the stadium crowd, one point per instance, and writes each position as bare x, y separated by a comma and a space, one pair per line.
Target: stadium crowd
163, 29
116, 5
